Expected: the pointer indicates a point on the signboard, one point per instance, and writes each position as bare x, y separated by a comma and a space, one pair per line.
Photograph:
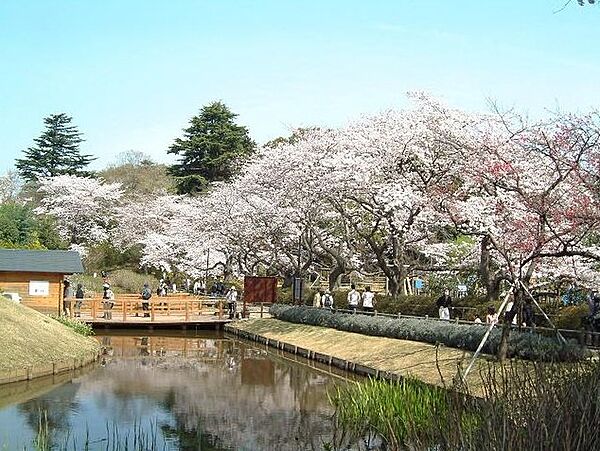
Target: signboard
39, 288
298, 289
260, 289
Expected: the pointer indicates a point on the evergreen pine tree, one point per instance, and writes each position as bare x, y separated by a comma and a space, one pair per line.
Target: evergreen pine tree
211, 149
56, 151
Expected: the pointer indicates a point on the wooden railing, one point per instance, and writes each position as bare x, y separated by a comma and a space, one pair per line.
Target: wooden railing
180, 308
128, 307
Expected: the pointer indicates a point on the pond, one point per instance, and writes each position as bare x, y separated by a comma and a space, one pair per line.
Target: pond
174, 391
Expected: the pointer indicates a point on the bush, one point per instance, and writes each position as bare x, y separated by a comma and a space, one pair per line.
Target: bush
462, 336
122, 281
78, 326
570, 317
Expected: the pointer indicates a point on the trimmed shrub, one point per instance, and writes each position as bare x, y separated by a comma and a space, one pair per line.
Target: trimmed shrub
463, 336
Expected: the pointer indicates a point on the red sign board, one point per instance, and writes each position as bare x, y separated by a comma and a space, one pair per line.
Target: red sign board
260, 289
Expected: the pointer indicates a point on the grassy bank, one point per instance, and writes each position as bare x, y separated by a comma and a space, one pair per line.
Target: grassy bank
407, 358
31, 339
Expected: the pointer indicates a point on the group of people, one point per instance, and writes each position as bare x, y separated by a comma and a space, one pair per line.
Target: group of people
68, 297
355, 299
511, 314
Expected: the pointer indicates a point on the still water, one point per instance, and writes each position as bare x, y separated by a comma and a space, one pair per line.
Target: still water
187, 391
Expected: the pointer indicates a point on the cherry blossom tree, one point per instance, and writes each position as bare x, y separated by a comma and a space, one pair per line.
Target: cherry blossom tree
84, 208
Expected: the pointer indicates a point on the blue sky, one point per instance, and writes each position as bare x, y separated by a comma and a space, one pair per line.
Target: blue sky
132, 73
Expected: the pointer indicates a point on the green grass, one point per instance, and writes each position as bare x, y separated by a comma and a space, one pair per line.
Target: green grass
78, 326
399, 412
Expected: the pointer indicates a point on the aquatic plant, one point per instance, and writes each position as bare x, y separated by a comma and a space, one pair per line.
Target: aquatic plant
395, 412
463, 336
525, 405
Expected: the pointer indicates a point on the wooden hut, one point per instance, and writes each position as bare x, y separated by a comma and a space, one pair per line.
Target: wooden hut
37, 276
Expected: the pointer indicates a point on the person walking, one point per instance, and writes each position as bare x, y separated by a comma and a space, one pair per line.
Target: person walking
146, 295
368, 300
353, 298
67, 297
79, 295
444, 302
231, 299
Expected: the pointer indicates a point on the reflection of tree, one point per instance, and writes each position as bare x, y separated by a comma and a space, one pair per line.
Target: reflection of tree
52, 410
188, 438
203, 401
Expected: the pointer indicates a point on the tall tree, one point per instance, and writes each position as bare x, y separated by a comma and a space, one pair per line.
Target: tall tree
21, 228
56, 151
211, 149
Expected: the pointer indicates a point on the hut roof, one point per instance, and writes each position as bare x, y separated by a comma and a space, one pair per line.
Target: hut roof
61, 262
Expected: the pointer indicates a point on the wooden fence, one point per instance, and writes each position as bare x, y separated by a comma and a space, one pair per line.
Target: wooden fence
173, 308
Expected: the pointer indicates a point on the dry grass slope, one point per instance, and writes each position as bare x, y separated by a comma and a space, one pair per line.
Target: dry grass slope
408, 358
29, 338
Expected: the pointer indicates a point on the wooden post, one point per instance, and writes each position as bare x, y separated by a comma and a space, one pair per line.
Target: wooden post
93, 308
187, 311
152, 311
70, 304
261, 309
168, 308
124, 310
60, 294
220, 309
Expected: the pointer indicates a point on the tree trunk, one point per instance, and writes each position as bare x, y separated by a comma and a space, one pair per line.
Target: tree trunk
393, 285
503, 346
488, 280
507, 321
334, 275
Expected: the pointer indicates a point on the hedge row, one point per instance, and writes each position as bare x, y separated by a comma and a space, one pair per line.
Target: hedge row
463, 336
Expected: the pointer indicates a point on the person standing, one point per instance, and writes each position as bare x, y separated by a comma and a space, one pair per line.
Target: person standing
327, 300
510, 314
67, 297
353, 298
444, 302
108, 301
317, 299
146, 295
231, 298
368, 300
79, 295
528, 315
492, 316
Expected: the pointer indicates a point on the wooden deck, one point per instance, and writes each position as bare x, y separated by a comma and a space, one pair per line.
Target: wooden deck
174, 311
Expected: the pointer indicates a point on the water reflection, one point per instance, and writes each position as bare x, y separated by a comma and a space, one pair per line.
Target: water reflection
189, 391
